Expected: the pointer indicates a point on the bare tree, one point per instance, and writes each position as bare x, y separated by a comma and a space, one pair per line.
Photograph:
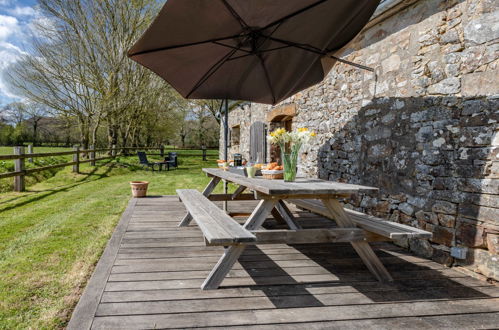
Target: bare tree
14, 113
34, 114
80, 69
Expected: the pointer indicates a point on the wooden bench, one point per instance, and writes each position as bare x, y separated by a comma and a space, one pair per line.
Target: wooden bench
384, 228
218, 228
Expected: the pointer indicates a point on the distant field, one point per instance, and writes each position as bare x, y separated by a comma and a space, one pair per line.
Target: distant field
10, 150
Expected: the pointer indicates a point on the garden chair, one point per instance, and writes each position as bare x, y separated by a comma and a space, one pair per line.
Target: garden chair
171, 160
144, 162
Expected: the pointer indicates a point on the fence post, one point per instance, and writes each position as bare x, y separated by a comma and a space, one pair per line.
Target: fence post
19, 167
204, 152
76, 158
30, 151
162, 151
92, 155
113, 150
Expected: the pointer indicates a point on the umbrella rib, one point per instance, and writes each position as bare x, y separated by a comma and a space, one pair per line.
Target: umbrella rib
261, 52
233, 47
234, 13
214, 68
184, 45
267, 77
308, 47
298, 12
360, 66
317, 51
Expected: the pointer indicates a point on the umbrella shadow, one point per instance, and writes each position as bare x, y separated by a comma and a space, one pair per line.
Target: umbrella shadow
267, 280
318, 275
414, 281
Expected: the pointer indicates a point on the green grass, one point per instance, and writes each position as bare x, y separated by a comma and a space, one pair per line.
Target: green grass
8, 165
52, 235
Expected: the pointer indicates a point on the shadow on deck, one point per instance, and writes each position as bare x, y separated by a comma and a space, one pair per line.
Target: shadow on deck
150, 274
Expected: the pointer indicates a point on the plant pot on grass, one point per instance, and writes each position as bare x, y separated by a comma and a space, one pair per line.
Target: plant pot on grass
139, 188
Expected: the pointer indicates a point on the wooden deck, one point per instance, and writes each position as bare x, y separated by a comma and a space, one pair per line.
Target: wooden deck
150, 273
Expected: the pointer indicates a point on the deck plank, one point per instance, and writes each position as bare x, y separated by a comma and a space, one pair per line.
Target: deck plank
305, 314
150, 273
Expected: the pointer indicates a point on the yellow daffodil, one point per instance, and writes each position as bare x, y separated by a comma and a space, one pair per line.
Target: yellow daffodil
293, 139
280, 131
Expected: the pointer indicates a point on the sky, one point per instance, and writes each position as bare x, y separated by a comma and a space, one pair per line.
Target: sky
17, 18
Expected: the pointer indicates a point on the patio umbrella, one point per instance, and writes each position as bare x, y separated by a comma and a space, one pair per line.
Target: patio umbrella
255, 50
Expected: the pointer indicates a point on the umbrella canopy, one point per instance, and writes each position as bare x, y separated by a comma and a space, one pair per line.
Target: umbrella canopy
255, 50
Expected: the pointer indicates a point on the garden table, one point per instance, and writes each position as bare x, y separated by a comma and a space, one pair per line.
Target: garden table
271, 195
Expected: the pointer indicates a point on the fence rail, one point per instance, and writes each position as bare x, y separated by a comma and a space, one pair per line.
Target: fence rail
19, 157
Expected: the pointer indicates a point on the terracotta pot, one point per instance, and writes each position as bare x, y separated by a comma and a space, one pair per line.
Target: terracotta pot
139, 188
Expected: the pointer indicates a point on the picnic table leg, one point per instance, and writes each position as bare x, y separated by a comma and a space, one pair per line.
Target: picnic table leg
283, 209
206, 192
365, 252
223, 266
233, 253
278, 217
238, 192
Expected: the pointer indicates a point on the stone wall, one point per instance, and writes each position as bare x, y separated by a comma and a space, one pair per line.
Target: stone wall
424, 129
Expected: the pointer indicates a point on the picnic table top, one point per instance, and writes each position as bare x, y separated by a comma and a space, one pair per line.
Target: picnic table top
301, 187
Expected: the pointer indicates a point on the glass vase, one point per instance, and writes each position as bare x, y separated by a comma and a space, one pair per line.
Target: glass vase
289, 161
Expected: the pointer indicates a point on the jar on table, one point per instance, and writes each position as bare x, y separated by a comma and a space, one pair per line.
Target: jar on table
238, 160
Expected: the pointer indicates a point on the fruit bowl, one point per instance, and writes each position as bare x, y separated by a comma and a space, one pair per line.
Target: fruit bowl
273, 174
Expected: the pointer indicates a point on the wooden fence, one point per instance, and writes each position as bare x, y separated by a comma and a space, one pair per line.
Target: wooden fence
19, 157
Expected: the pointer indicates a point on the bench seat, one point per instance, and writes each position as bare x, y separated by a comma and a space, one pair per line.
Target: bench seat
388, 229
218, 228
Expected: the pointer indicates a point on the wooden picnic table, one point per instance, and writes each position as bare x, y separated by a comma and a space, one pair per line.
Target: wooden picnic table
271, 195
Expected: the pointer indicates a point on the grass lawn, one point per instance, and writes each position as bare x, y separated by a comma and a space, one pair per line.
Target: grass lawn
8, 165
52, 236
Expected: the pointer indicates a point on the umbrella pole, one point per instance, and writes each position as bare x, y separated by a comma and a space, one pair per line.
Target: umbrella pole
226, 145
226, 131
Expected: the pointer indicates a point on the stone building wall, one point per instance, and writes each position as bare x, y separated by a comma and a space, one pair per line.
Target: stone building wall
424, 130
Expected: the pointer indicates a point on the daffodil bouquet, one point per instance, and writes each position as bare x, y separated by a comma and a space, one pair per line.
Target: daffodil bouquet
290, 141
290, 144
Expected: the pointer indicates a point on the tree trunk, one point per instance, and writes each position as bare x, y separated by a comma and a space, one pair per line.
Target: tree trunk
112, 133
84, 132
35, 131
182, 140
94, 131
67, 127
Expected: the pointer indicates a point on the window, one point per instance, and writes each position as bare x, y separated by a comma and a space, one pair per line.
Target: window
235, 135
